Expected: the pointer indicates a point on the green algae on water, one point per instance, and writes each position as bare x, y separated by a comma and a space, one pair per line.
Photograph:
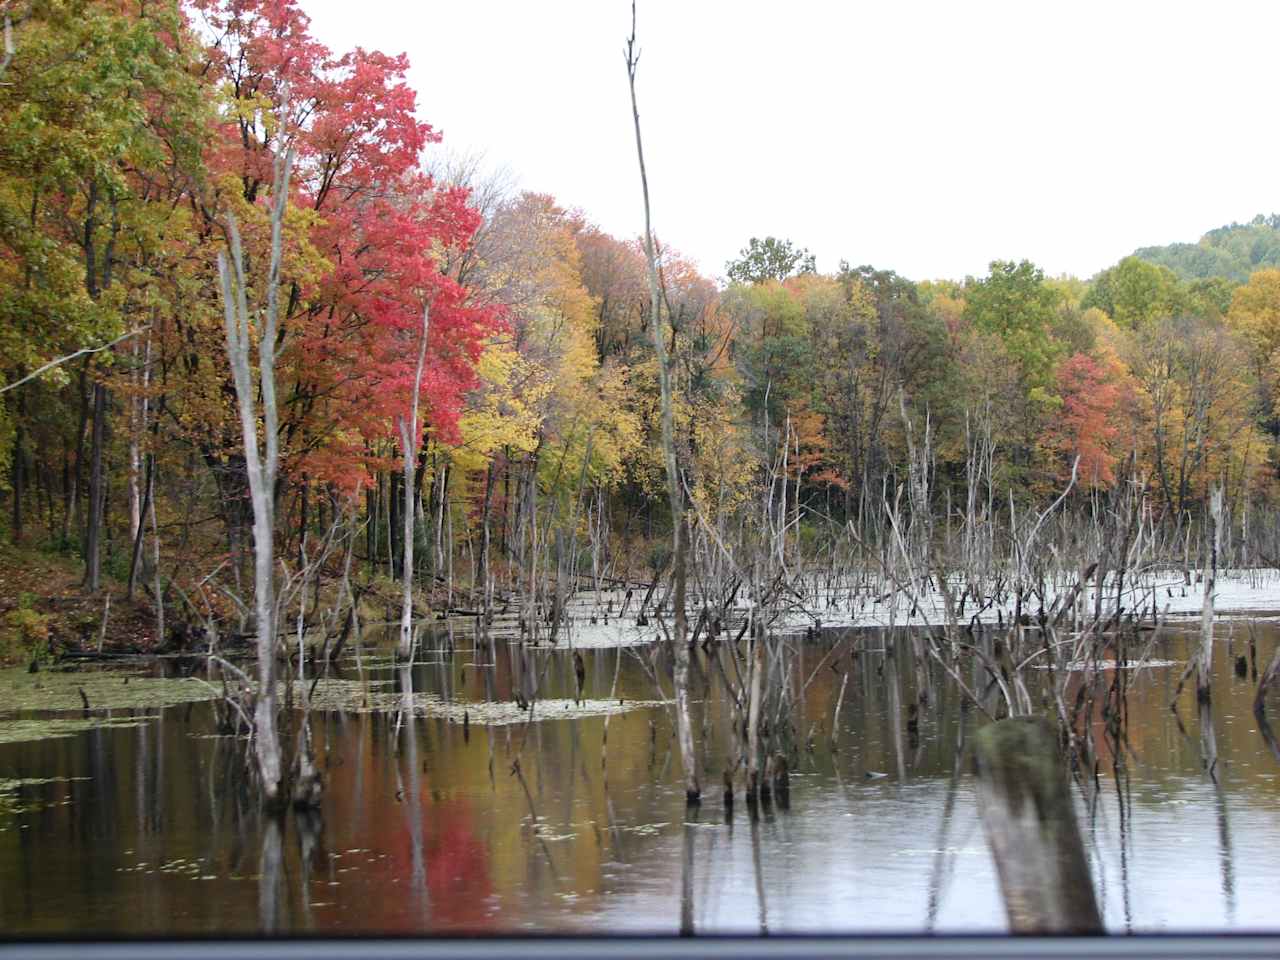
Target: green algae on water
104, 690
25, 698
10, 788
51, 728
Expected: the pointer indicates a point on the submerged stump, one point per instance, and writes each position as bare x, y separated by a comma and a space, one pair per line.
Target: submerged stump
1025, 802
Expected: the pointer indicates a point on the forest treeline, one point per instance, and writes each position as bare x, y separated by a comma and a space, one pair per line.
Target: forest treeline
133, 133
1233, 251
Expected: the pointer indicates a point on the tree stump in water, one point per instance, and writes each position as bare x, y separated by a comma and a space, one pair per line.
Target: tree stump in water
1025, 803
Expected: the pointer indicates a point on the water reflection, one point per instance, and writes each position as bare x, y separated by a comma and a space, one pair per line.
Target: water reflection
429, 824
686, 877
270, 877
409, 795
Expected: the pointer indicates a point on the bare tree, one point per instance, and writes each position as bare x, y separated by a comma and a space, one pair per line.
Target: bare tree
1204, 660
410, 436
680, 640
262, 460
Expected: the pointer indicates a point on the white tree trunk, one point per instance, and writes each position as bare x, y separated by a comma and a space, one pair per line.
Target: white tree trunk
262, 462
1205, 661
409, 437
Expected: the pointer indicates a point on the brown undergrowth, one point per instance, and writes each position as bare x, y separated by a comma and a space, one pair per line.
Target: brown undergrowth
46, 613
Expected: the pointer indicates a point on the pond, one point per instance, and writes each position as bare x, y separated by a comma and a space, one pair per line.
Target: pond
436, 823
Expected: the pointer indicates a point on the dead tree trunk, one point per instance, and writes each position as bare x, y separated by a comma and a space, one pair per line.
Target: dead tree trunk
679, 639
409, 438
97, 495
758, 665
1025, 802
1204, 662
262, 462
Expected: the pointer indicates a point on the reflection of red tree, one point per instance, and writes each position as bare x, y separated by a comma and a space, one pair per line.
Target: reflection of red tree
368, 828
457, 864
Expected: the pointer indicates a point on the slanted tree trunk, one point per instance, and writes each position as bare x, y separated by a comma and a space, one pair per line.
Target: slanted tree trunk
1025, 803
262, 462
410, 435
679, 639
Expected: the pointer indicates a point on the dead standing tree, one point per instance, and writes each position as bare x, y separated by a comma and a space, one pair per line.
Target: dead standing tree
410, 438
1204, 659
679, 538
262, 460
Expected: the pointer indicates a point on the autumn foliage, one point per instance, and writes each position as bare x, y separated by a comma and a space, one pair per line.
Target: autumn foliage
540, 396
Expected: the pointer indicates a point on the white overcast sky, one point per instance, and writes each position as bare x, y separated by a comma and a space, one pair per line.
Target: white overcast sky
928, 138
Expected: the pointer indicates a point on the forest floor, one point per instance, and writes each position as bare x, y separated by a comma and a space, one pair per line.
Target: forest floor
44, 610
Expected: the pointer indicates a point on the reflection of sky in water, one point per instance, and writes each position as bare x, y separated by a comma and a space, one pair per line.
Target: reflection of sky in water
438, 834
867, 860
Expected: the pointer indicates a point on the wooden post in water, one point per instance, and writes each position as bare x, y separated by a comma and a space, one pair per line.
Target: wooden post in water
1025, 803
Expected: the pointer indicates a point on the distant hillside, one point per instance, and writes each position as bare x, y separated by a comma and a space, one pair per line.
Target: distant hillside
1233, 251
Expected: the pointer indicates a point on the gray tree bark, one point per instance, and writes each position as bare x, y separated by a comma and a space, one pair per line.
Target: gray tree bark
1204, 662
262, 461
680, 633
410, 435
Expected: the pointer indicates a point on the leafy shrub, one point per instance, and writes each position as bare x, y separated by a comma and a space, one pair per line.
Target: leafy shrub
27, 635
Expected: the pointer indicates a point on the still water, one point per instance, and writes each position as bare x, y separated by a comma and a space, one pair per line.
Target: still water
426, 828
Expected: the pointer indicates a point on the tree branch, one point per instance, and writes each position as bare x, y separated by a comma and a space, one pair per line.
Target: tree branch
71, 356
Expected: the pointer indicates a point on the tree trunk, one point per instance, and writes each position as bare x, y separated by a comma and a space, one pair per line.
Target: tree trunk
486, 580
679, 639
15, 529
409, 437
753, 712
143, 507
1204, 662
261, 462
1025, 803
97, 492
137, 424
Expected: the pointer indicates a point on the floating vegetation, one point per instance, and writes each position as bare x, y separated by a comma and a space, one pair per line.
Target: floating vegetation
1080, 665
949, 851
102, 689
351, 696
643, 829
50, 728
191, 868
600, 637
11, 787
107, 690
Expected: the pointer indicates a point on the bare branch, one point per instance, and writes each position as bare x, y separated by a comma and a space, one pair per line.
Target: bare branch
71, 356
